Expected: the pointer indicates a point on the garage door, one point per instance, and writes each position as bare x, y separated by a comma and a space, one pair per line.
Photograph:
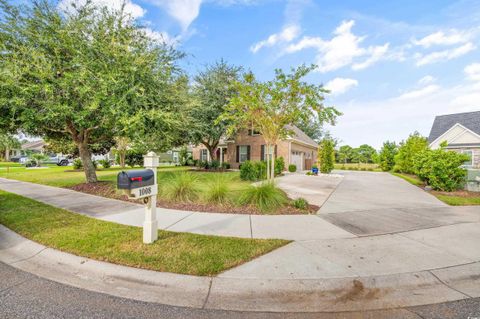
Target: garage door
297, 159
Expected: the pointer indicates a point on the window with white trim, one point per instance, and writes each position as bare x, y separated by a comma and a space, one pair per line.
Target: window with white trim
468, 163
203, 155
242, 153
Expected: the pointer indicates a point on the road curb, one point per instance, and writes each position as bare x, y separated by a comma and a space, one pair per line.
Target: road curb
284, 295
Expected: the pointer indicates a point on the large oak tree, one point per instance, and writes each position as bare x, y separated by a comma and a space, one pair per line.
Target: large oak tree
85, 74
212, 90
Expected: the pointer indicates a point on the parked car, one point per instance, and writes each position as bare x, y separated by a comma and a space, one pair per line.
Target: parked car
59, 160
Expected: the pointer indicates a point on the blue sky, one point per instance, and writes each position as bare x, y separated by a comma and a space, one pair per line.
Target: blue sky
391, 65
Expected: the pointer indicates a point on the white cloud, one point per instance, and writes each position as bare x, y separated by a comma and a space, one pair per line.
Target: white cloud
163, 37
473, 72
341, 50
445, 55
376, 54
184, 11
288, 34
418, 93
378, 120
131, 8
440, 38
339, 86
427, 79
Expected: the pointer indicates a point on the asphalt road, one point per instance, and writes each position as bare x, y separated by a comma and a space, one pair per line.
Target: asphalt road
23, 295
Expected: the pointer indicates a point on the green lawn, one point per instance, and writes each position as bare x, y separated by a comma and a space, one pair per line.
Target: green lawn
358, 167
61, 176
412, 179
84, 236
459, 198
9, 164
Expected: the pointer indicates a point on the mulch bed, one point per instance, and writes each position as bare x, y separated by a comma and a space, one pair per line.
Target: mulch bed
106, 189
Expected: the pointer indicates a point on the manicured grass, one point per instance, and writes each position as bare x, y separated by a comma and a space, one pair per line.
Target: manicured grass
9, 164
412, 179
358, 167
83, 236
459, 200
63, 176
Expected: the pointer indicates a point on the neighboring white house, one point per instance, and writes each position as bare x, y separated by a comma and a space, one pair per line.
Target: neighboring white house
461, 132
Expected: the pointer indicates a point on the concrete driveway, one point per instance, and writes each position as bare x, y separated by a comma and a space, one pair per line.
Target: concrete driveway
362, 191
315, 189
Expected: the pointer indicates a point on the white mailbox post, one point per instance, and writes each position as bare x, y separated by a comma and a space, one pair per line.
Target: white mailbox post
150, 225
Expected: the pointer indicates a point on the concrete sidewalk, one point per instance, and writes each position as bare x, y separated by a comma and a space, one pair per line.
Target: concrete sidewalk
341, 261
225, 292
291, 227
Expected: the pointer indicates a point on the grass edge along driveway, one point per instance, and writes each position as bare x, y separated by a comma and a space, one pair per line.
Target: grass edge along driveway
451, 199
182, 253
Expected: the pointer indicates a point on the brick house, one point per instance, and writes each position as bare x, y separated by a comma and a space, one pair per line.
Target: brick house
461, 131
298, 149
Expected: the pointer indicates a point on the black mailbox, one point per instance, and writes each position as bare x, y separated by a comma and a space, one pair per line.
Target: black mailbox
135, 179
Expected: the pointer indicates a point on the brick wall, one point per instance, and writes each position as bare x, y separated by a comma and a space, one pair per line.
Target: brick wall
255, 142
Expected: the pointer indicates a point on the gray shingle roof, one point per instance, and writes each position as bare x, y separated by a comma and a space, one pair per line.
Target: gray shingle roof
443, 123
299, 135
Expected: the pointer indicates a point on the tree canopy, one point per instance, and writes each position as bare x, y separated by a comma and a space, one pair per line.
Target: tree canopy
405, 158
86, 74
271, 106
212, 90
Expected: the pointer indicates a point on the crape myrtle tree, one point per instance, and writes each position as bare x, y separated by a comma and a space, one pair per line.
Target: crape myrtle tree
84, 74
270, 107
212, 90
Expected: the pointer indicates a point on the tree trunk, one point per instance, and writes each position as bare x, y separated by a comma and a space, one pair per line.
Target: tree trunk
7, 154
88, 168
121, 156
267, 157
272, 170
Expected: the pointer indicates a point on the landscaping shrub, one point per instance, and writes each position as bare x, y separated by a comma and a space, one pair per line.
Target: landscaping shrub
225, 165
279, 165
441, 169
215, 164
218, 190
386, 157
248, 171
182, 187
292, 168
326, 156
203, 164
260, 170
404, 159
77, 163
134, 158
265, 197
105, 163
300, 203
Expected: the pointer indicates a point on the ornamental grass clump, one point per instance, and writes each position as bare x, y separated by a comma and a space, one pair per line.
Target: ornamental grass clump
182, 187
266, 197
218, 190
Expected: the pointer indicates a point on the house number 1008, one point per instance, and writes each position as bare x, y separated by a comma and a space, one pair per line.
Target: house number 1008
145, 191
